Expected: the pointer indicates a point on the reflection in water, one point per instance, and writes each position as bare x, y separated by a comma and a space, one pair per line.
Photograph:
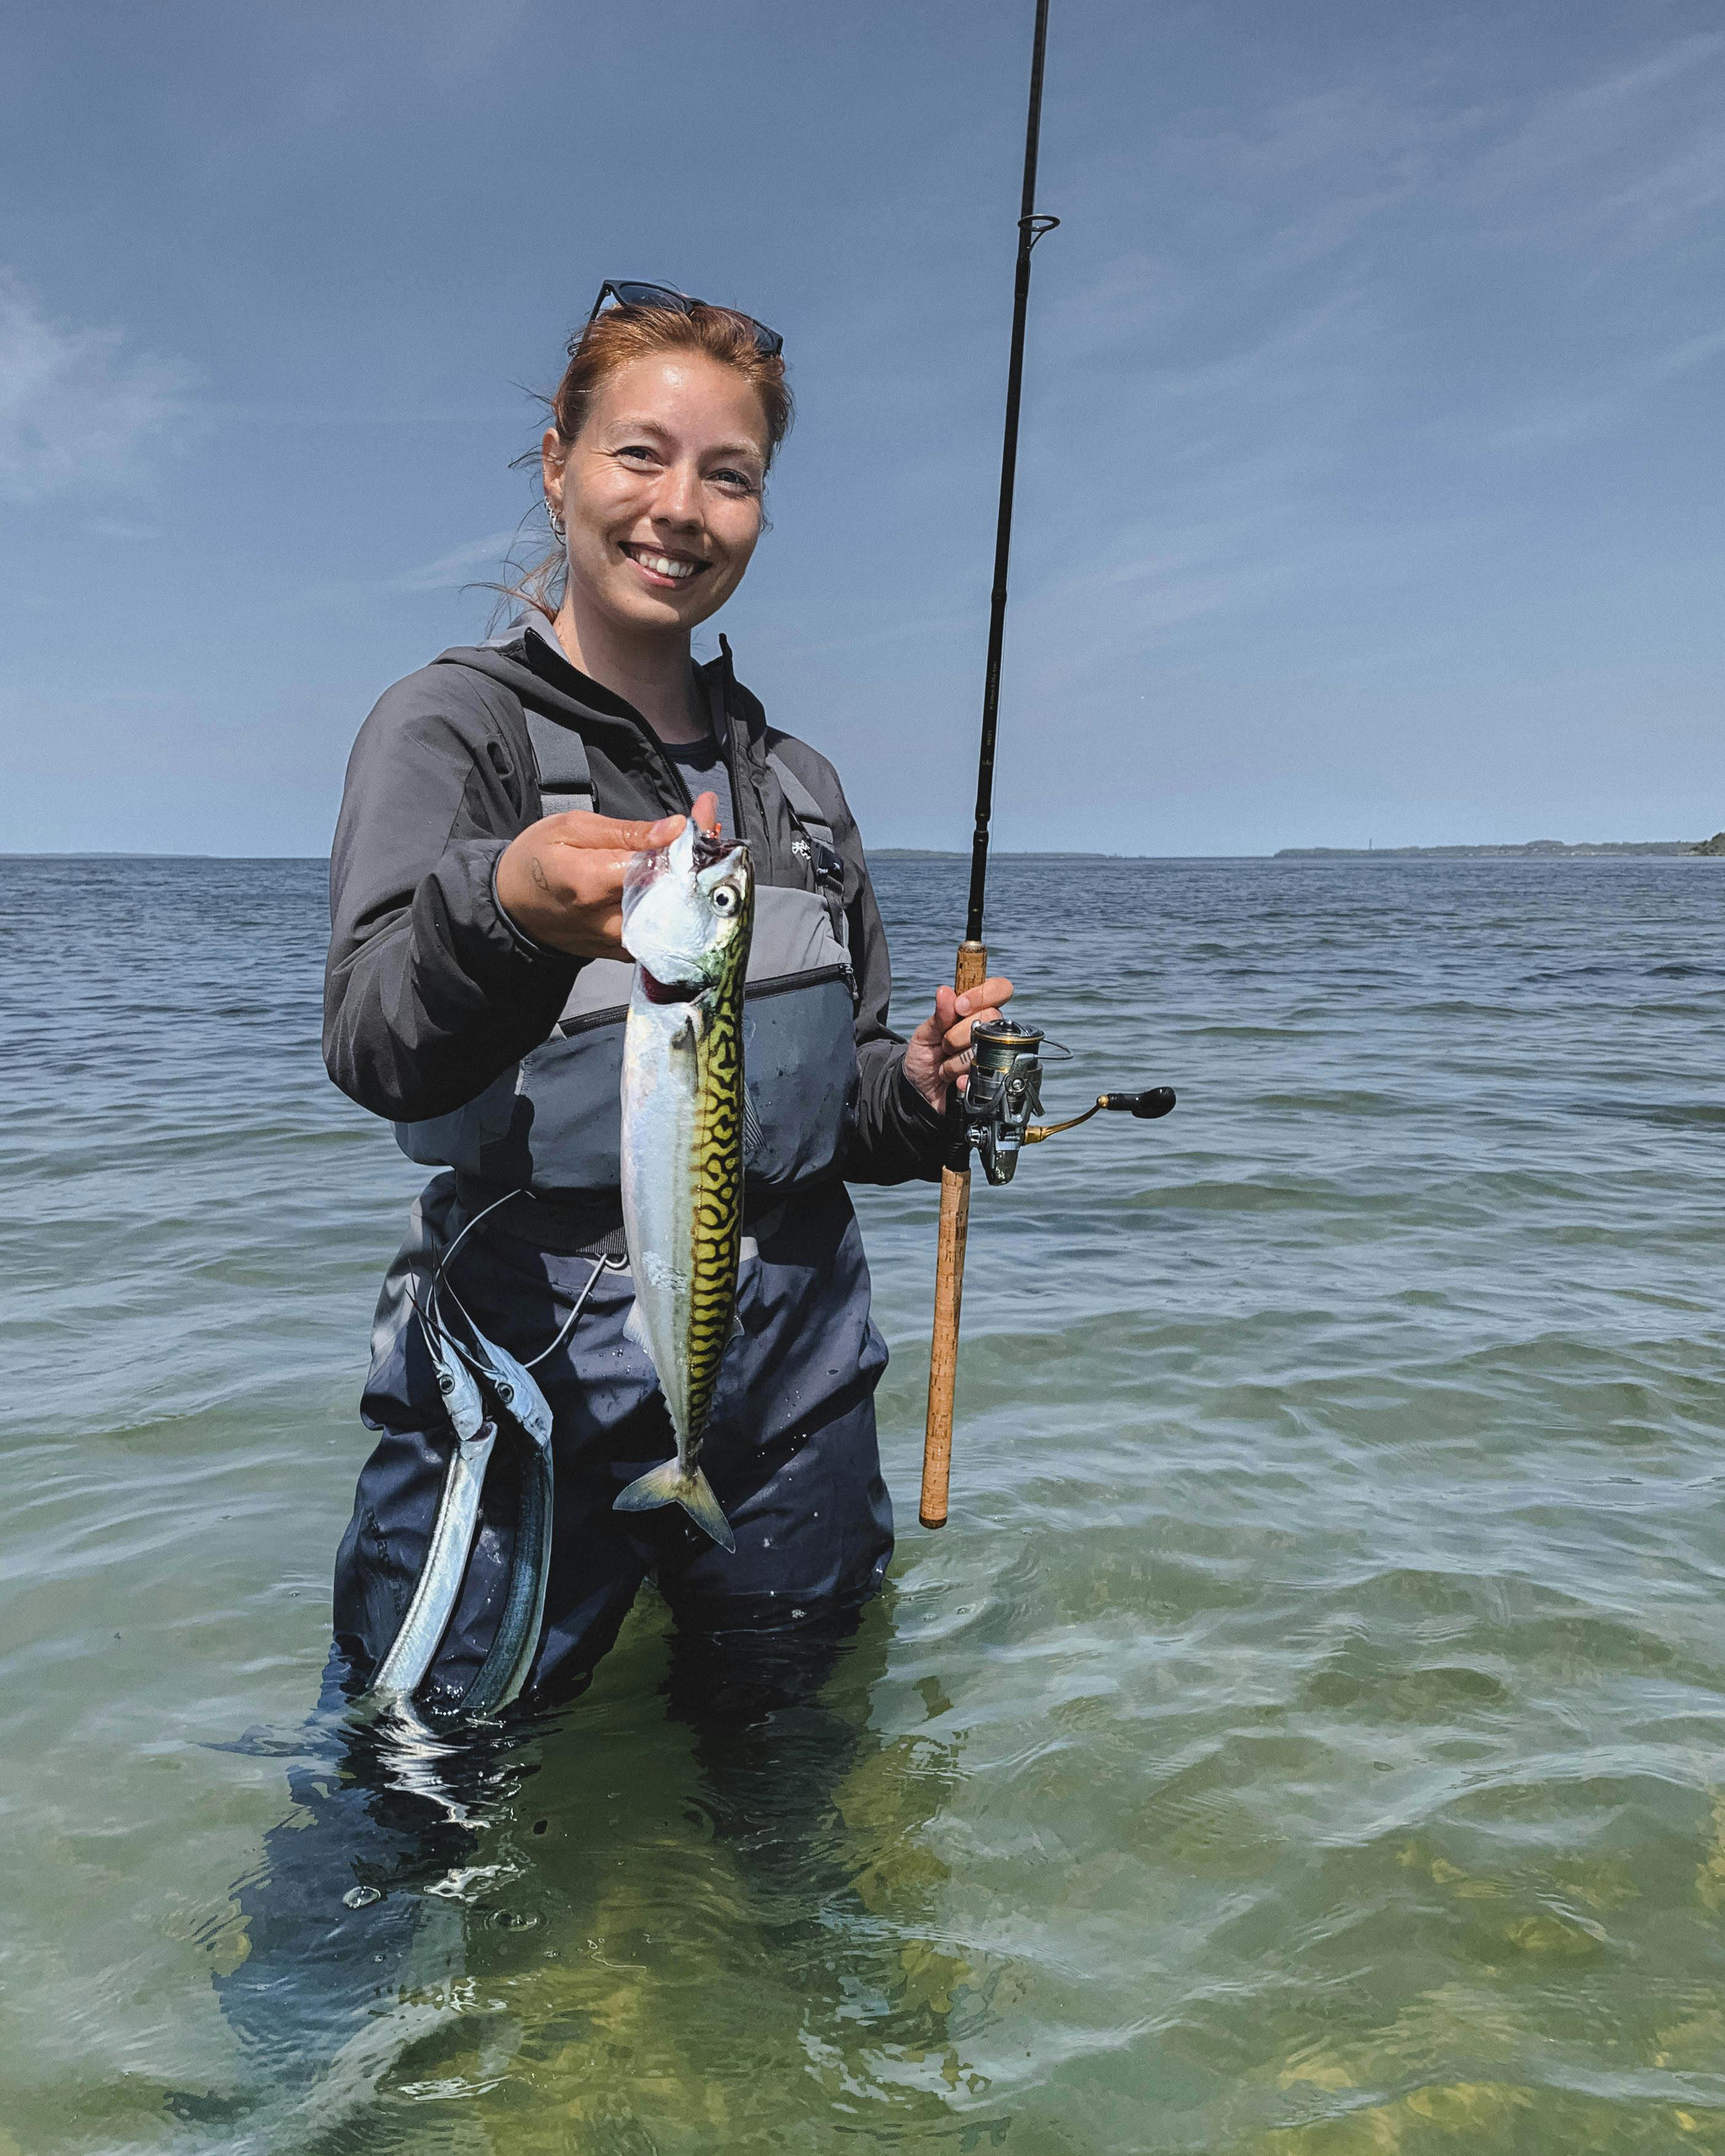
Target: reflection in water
695, 1909
348, 1917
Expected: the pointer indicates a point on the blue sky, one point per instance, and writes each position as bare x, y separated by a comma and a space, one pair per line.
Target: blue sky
1373, 484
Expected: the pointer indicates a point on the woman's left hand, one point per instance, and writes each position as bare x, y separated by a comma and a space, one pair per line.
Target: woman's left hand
938, 1052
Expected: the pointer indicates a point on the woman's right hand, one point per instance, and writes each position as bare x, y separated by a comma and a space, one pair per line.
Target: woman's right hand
561, 880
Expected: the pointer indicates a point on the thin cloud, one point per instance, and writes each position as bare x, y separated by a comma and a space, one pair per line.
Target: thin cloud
1630, 155
1573, 419
450, 571
78, 410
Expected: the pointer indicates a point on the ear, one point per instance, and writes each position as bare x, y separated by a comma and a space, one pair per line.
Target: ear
551, 467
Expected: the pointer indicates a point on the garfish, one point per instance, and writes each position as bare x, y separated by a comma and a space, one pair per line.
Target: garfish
460, 1372
688, 911
505, 1669
403, 1670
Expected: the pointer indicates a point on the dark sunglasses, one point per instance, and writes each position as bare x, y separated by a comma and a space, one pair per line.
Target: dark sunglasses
768, 342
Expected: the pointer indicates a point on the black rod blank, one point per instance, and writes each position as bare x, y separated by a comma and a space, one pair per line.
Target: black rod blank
1031, 228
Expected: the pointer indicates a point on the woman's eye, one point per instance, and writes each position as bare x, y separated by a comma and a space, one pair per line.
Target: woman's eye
638, 452
741, 480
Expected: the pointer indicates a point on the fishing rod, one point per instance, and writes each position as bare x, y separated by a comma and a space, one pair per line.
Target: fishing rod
1003, 1087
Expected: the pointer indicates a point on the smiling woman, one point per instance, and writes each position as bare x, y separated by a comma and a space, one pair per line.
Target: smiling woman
645, 382
476, 995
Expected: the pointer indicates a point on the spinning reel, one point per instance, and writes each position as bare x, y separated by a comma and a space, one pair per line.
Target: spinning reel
1006, 1091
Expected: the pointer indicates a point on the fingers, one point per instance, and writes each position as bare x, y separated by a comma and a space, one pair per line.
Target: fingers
591, 834
994, 991
957, 1014
581, 828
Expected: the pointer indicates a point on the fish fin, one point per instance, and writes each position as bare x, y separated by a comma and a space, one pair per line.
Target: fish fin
669, 1484
748, 1250
704, 1508
634, 1328
662, 1484
753, 1136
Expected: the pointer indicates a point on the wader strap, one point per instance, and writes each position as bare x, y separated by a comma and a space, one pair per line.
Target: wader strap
824, 857
565, 782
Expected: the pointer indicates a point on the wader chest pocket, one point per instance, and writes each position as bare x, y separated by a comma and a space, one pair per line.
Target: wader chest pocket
555, 1123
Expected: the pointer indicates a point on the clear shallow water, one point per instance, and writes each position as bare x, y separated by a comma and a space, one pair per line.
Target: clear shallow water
1308, 1737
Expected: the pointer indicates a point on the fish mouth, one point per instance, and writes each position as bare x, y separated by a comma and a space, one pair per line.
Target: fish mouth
709, 848
668, 992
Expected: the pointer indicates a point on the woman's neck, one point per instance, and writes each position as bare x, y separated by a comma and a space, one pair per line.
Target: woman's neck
656, 674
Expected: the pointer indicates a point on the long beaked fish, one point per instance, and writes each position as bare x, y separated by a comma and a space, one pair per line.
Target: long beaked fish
688, 912
439, 1587
505, 1669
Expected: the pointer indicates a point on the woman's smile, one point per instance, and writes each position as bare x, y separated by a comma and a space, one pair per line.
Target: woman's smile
664, 569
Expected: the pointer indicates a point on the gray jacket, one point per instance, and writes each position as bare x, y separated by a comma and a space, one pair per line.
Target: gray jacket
498, 1057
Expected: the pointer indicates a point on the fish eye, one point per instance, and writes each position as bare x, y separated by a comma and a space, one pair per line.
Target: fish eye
724, 899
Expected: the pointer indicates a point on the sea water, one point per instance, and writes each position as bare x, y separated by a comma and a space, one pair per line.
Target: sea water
1308, 1735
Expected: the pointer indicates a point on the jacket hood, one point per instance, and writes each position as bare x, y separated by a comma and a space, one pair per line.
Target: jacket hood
527, 658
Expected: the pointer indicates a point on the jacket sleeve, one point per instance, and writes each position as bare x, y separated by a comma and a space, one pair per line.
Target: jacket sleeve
896, 1137
431, 991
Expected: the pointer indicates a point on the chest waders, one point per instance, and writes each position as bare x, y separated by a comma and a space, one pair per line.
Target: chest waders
550, 1129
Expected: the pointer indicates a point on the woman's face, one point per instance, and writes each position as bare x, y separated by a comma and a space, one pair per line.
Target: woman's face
661, 490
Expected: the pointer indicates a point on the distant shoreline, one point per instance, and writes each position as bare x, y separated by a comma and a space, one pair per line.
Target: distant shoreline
1540, 849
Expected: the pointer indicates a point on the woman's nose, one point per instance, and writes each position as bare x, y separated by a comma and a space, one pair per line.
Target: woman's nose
679, 500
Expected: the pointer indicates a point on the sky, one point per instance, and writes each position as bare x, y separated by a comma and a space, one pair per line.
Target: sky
1372, 486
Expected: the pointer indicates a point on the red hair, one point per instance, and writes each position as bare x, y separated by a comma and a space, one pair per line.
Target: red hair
614, 339
624, 334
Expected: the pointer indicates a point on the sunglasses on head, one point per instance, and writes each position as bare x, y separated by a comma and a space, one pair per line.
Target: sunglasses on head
768, 342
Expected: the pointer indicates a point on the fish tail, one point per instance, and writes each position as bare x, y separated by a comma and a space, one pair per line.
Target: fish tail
671, 1483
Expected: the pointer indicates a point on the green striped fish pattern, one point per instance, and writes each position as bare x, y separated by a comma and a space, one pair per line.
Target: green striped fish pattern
716, 1215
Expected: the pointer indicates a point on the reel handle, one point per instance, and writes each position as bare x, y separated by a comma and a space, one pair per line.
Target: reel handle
1146, 1107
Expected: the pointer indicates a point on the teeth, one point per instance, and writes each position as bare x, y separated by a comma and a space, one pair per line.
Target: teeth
663, 565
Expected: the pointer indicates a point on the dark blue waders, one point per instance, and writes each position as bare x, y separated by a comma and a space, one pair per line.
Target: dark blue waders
790, 1449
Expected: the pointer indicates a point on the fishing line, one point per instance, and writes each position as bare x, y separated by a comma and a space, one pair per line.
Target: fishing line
605, 1265
439, 1287
435, 1295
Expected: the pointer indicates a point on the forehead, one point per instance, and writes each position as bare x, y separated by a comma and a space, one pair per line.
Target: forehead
694, 400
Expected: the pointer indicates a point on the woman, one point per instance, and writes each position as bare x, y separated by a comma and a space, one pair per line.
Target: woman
475, 996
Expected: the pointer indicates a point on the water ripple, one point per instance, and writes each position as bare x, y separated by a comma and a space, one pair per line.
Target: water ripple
1307, 1739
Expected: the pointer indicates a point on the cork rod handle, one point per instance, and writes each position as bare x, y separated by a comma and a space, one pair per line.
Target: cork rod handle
970, 972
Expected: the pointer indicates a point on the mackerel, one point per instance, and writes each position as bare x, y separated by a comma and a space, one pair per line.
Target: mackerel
688, 912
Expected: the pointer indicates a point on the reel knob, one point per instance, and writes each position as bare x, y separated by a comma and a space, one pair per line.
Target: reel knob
1146, 1107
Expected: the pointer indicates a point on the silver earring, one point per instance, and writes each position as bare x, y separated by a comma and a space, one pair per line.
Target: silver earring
559, 529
